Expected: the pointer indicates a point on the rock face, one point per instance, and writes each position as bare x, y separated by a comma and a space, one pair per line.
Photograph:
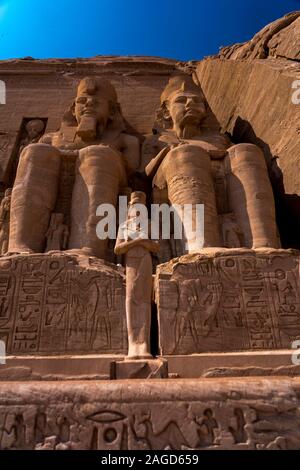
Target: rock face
250, 88
277, 39
220, 301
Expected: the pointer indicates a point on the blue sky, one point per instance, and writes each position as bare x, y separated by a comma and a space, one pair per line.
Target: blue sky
181, 29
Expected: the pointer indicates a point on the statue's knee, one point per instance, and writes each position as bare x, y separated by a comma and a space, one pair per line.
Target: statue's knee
40, 152
246, 156
102, 159
39, 159
247, 148
100, 151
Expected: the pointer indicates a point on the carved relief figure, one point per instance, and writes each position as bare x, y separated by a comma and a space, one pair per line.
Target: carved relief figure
57, 234
92, 131
136, 246
232, 234
4, 221
185, 164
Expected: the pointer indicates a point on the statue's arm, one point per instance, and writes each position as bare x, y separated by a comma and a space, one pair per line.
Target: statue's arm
46, 138
65, 237
154, 164
123, 246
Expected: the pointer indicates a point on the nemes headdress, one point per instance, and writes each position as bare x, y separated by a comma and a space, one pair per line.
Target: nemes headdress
179, 83
97, 86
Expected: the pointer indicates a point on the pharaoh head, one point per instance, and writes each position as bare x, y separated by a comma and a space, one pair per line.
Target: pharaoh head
183, 105
137, 197
34, 128
95, 106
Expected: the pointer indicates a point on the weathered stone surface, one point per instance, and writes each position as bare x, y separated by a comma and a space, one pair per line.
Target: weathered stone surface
249, 89
101, 366
58, 367
139, 369
63, 303
286, 42
274, 362
252, 100
187, 414
229, 301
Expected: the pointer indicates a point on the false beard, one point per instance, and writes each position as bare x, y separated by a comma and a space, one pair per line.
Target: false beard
87, 129
189, 130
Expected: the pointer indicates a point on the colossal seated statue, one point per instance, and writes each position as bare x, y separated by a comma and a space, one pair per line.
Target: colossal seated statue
196, 164
93, 132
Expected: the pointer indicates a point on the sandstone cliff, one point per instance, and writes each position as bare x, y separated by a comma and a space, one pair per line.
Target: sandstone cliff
249, 88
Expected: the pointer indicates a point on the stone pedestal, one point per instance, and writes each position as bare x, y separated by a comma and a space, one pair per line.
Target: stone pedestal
158, 414
225, 378
140, 369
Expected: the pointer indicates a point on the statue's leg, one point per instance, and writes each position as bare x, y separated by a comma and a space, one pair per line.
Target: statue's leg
187, 172
251, 196
33, 197
138, 303
5, 244
100, 173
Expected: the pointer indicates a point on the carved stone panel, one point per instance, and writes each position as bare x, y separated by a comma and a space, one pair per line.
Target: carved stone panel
215, 414
61, 303
237, 300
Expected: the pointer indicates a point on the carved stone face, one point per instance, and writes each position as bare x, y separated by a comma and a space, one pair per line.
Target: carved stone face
186, 108
94, 106
34, 128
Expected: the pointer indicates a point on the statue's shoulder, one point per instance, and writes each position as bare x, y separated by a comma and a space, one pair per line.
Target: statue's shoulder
129, 140
152, 146
47, 138
215, 143
216, 138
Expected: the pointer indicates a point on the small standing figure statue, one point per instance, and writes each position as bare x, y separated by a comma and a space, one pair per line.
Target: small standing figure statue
34, 130
4, 221
58, 233
133, 241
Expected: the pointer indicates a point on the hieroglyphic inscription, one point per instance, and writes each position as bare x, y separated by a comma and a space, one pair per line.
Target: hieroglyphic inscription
200, 415
51, 304
231, 303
